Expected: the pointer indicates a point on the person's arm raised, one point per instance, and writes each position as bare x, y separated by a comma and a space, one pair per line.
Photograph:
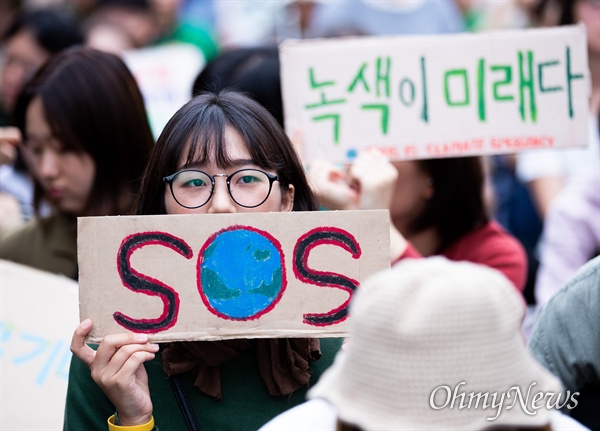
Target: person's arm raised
117, 367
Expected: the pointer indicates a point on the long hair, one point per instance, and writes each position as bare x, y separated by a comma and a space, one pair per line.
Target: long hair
457, 205
93, 105
199, 128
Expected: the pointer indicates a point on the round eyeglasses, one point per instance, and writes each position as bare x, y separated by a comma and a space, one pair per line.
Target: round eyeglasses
248, 188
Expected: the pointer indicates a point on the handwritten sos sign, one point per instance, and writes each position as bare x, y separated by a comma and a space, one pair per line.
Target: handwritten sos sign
207, 277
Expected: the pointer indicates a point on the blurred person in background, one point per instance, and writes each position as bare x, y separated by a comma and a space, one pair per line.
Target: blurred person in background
87, 141
28, 41
121, 25
384, 17
571, 234
566, 340
8, 10
437, 207
252, 70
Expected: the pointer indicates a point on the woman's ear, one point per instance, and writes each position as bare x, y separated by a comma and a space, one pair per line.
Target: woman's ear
287, 198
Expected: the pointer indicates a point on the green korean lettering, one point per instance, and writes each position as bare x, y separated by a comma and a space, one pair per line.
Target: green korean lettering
459, 73
313, 82
383, 76
507, 69
571, 77
481, 89
336, 124
527, 87
385, 112
401, 91
360, 77
425, 112
314, 85
541, 67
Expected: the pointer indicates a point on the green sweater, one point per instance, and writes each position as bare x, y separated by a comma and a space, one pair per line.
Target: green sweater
246, 403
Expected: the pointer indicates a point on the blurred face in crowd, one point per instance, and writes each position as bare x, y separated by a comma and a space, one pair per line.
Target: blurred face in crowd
588, 12
21, 58
251, 183
66, 177
413, 190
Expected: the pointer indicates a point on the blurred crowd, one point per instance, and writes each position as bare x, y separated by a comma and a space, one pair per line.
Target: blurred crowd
547, 201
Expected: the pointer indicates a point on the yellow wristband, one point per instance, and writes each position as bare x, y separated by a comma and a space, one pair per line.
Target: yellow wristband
148, 426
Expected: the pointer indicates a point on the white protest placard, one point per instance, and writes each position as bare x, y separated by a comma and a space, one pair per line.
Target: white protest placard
224, 276
39, 312
417, 97
165, 75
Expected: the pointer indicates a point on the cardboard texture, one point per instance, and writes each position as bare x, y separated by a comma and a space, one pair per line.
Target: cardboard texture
223, 276
418, 97
38, 314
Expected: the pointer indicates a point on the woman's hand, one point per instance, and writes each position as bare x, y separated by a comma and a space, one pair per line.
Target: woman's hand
118, 369
369, 183
331, 187
375, 178
10, 139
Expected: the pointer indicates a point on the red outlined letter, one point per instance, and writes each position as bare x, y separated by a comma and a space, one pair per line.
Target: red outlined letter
310, 240
141, 283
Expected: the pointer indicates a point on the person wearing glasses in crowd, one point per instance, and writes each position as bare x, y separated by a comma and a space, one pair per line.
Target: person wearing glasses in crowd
87, 141
220, 153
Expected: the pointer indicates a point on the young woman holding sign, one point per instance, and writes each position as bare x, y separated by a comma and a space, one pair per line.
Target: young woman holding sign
220, 153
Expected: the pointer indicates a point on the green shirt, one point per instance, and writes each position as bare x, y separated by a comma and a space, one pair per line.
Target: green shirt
48, 244
246, 404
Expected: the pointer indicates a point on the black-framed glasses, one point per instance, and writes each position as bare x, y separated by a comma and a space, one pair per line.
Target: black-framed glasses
192, 188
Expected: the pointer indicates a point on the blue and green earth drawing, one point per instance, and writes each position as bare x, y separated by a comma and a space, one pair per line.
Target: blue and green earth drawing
241, 273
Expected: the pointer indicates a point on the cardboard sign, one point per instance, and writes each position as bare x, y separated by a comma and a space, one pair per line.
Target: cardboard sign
418, 97
222, 276
39, 312
165, 75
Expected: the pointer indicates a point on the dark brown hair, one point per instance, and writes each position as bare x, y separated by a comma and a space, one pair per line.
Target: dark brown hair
93, 105
201, 123
457, 205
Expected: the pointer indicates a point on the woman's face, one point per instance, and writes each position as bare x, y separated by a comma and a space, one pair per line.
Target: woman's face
221, 201
23, 56
66, 177
413, 189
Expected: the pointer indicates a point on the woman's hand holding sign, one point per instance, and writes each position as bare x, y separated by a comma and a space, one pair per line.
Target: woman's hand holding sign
118, 368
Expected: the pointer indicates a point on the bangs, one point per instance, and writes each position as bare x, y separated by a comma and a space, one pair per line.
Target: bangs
207, 140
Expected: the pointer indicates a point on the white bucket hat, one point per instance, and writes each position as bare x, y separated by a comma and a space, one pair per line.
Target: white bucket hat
432, 326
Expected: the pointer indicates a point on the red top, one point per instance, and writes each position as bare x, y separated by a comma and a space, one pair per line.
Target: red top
488, 245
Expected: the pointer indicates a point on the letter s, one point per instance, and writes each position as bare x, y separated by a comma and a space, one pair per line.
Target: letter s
310, 240
141, 283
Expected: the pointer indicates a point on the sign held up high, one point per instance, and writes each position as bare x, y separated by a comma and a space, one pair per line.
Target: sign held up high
223, 276
417, 97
